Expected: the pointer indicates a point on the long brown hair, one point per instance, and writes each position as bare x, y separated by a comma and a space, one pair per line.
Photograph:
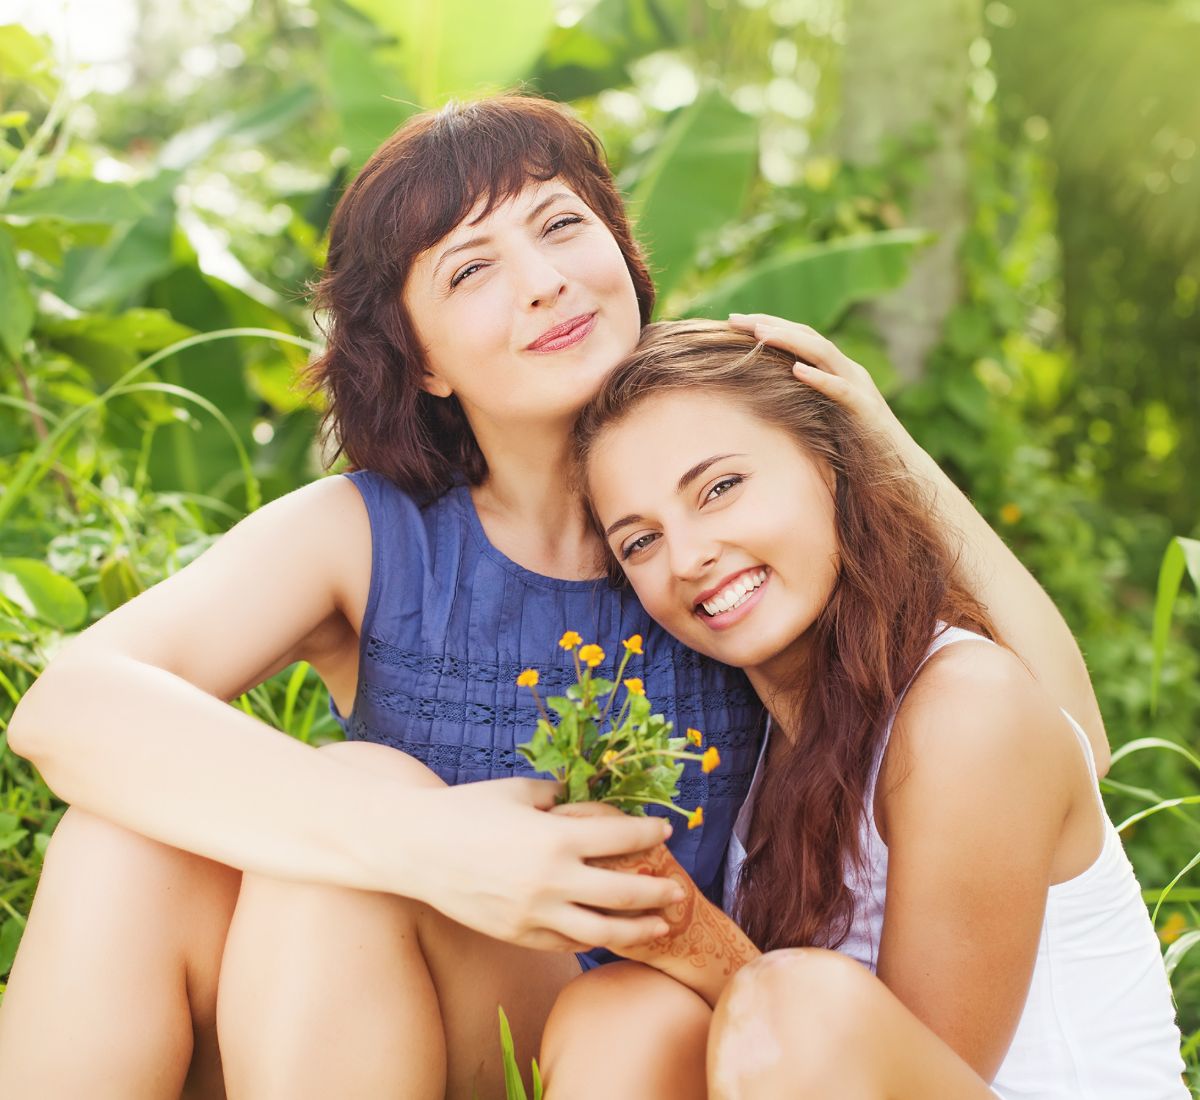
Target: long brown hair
413, 191
896, 581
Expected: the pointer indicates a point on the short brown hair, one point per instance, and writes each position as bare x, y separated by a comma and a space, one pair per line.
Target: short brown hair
413, 191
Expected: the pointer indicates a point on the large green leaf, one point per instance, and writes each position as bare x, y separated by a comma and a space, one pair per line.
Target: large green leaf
138, 253
693, 183
38, 591
1182, 555
815, 284
370, 97
87, 201
16, 301
27, 59
450, 48
595, 53
252, 124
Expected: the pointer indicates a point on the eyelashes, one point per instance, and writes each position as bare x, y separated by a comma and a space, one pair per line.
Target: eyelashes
557, 224
718, 489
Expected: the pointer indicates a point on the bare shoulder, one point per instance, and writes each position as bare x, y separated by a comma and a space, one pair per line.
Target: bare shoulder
254, 602
975, 720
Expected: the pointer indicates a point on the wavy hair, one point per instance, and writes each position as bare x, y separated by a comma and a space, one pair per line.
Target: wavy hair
896, 581
421, 183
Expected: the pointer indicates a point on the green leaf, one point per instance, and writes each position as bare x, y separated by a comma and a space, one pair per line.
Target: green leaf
370, 98
1175, 953
10, 938
27, 59
693, 183
11, 840
446, 49
16, 313
815, 284
1182, 554
35, 588
595, 53
253, 124
119, 580
79, 201
514, 1087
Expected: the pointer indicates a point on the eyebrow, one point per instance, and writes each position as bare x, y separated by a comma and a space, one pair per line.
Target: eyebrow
475, 242
688, 477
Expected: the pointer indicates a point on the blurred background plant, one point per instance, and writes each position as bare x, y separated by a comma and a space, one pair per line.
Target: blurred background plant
994, 205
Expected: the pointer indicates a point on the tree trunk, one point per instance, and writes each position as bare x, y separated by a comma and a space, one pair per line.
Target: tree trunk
907, 65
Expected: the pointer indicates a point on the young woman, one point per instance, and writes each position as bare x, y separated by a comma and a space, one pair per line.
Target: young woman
363, 910
922, 806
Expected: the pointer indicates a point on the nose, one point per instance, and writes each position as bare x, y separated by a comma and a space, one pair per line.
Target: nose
541, 282
691, 554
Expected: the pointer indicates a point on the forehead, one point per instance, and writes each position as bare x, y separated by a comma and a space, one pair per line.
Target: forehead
644, 453
492, 208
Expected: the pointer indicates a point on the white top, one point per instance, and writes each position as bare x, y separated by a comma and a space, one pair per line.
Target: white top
1098, 1023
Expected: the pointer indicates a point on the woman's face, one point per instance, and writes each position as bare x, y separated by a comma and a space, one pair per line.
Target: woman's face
523, 313
723, 524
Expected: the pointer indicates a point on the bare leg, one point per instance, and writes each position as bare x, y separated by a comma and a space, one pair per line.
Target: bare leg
327, 991
114, 987
629, 1031
814, 1025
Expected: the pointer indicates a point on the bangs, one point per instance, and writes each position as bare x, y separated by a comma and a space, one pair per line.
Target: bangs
482, 155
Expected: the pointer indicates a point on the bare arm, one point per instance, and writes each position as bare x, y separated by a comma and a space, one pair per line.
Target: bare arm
1024, 615
130, 722
977, 786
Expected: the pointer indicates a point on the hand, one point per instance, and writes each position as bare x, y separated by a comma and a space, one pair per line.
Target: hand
497, 862
703, 948
823, 367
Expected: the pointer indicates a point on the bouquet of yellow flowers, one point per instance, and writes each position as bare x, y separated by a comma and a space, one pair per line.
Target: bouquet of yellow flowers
624, 756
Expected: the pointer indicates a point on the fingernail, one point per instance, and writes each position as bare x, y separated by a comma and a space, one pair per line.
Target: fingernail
667, 829
663, 929
679, 894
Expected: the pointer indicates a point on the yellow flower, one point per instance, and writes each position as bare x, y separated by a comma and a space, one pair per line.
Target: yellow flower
1173, 927
710, 760
696, 818
634, 644
1010, 513
609, 756
569, 640
591, 655
528, 678
694, 736
634, 686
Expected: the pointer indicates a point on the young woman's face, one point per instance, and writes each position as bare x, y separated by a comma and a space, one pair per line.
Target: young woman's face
723, 524
524, 312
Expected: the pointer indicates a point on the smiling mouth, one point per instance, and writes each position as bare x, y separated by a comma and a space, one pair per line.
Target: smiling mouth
564, 335
733, 595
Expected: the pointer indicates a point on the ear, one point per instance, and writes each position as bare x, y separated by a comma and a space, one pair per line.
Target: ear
435, 385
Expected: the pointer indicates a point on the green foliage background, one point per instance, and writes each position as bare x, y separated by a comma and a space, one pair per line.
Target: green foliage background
155, 246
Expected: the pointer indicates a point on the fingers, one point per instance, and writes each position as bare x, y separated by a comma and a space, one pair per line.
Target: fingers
621, 891
593, 837
617, 933
541, 794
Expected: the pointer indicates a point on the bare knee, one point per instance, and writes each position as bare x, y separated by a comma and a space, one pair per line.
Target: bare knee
383, 758
654, 1030
790, 1024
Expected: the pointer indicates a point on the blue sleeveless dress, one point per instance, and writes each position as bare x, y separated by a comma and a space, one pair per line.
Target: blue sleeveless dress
449, 624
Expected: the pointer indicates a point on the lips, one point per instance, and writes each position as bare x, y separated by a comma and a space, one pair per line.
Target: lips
560, 336
716, 589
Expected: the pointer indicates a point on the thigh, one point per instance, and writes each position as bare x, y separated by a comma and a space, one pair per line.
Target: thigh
473, 975
808, 1024
626, 1030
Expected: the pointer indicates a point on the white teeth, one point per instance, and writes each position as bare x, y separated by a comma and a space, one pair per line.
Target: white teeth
735, 594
